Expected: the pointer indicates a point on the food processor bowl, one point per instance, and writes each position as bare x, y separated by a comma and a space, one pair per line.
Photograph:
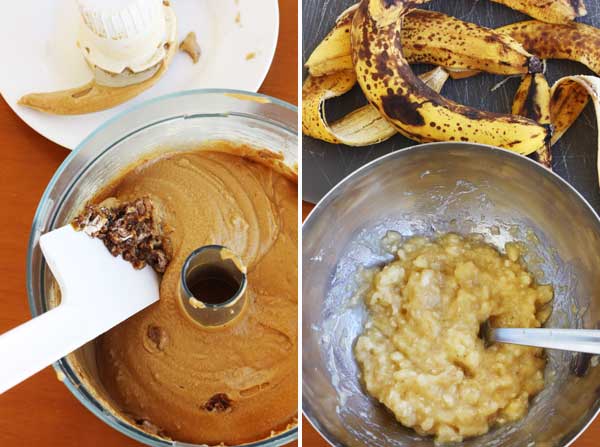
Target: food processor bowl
446, 187
180, 121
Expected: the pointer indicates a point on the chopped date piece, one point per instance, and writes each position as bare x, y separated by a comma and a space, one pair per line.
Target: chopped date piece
219, 403
127, 229
158, 336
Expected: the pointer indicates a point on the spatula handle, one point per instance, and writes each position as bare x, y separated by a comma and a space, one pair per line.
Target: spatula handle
98, 291
39, 342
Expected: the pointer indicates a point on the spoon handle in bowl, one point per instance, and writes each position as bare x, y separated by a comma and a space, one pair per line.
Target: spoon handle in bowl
578, 340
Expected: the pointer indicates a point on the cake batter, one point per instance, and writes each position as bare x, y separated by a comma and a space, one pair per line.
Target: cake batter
232, 384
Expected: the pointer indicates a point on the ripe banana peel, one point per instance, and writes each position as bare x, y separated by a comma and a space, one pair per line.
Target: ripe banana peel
92, 97
566, 103
315, 91
532, 100
361, 127
575, 41
408, 104
569, 98
334, 52
433, 38
560, 105
550, 11
572, 41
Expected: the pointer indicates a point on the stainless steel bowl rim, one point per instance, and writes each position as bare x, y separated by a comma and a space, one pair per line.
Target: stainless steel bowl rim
440, 145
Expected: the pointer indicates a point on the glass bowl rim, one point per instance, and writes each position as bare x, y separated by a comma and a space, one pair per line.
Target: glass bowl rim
62, 369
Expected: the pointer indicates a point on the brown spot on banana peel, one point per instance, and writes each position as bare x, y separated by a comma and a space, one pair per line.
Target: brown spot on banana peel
532, 100
537, 107
531, 109
527, 103
92, 97
382, 70
399, 107
572, 41
436, 38
568, 100
361, 127
488, 50
372, 38
553, 11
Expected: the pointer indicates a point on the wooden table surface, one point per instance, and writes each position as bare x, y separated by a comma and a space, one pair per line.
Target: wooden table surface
311, 438
41, 411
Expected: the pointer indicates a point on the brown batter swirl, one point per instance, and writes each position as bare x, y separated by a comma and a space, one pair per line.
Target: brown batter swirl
232, 384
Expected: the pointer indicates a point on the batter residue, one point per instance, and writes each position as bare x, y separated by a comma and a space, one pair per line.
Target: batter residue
227, 385
420, 353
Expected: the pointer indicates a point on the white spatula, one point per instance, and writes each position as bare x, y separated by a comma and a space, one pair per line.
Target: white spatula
98, 291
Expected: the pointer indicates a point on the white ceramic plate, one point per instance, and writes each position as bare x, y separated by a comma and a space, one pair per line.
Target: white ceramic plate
39, 53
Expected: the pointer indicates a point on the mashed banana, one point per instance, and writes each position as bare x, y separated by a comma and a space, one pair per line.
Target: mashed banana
421, 354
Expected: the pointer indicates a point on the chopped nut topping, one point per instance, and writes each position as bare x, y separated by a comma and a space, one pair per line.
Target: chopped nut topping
127, 229
219, 403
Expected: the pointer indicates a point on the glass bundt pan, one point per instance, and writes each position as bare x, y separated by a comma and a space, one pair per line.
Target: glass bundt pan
178, 121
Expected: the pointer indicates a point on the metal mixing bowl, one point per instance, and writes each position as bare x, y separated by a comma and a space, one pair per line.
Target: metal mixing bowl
179, 121
446, 187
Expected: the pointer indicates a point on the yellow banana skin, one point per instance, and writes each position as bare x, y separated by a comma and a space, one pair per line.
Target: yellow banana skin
568, 91
361, 127
532, 100
334, 52
408, 104
433, 38
575, 41
315, 91
559, 106
569, 98
551, 11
